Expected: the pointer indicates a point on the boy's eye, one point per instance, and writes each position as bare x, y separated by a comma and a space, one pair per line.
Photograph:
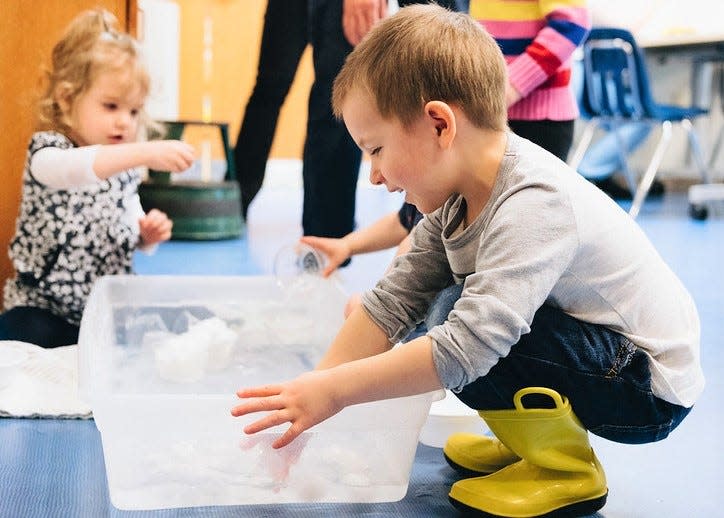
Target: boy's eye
110, 106
375, 151
134, 112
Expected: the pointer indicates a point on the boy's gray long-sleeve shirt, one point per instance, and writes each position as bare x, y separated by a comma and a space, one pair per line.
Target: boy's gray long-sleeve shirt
546, 236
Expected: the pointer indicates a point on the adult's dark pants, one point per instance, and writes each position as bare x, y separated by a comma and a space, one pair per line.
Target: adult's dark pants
331, 157
283, 40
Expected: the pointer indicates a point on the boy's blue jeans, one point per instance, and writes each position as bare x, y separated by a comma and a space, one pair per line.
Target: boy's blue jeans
604, 376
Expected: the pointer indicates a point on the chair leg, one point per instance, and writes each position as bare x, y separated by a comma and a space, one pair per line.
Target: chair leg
653, 167
622, 151
696, 150
717, 145
583, 144
716, 149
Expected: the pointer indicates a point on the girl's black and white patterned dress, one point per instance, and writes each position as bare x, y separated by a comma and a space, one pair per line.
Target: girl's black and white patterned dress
65, 239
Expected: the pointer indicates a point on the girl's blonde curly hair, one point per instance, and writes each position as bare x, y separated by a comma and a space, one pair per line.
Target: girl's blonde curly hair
91, 44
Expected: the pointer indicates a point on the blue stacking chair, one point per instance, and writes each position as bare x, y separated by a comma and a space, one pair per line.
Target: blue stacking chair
607, 155
616, 92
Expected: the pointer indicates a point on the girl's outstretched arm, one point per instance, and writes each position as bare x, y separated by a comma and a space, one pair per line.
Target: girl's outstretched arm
75, 167
162, 155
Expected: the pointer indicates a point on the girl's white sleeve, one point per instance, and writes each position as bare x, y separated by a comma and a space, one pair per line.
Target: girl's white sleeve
65, 168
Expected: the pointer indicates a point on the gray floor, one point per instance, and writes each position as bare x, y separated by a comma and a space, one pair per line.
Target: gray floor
679, 477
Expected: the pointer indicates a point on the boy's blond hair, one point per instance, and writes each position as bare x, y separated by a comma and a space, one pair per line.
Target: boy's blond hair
426, 53
91, 44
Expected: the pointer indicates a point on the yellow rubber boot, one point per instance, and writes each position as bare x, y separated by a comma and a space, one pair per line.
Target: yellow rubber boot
558, 473
475, 455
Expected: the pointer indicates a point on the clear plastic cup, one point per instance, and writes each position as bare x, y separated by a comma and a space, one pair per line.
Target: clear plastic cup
298, 259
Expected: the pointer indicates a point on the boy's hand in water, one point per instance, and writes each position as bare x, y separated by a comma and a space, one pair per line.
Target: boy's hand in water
303, 402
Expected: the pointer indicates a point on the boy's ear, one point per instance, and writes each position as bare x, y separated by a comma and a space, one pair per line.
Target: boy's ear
442, 118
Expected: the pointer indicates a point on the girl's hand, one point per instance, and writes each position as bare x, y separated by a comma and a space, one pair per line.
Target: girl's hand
337, 251
170, 155
155, 227
303, 402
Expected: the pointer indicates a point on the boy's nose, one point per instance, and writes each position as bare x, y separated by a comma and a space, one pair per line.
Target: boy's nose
376, 177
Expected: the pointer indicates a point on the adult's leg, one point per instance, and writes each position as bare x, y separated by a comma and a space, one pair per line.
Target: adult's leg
331, 157
283, 40
37, 326
553, 136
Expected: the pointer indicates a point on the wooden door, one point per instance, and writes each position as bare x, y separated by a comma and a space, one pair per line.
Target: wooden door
29, 29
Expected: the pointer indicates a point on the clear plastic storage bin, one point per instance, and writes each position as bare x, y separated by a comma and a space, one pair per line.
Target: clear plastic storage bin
161, 358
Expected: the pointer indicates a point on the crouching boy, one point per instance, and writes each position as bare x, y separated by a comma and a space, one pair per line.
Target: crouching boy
559, 302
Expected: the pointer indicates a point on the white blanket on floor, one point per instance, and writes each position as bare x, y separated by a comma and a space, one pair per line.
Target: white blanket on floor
44, 385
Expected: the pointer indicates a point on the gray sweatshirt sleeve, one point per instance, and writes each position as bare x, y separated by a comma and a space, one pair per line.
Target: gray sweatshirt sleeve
510, 258
401, 298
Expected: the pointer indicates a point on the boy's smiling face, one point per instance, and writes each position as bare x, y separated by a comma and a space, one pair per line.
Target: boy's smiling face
403, 159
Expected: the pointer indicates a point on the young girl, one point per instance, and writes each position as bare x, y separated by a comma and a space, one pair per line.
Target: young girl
80, 215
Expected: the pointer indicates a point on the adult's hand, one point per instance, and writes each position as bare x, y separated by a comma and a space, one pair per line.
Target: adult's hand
358, 17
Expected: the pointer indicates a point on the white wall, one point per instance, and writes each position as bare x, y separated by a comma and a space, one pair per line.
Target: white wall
159, 34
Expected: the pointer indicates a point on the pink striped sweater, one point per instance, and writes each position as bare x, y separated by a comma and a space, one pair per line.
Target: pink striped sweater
537, 39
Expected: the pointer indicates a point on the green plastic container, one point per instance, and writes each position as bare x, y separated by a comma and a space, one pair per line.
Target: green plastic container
199, 210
